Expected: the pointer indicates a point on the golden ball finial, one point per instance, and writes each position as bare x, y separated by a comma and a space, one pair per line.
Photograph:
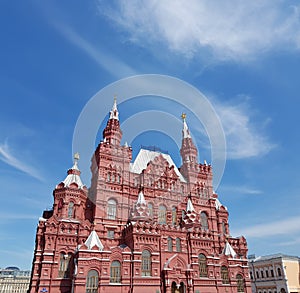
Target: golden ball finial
183, 116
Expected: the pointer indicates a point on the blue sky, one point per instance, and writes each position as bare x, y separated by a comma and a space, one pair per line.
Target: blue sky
245, 58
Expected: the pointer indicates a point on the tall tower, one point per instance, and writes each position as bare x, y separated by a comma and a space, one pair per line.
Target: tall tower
110, 171
189, 154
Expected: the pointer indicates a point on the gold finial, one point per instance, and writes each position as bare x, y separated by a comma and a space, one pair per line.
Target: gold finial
76, 156
183, 116
115, 98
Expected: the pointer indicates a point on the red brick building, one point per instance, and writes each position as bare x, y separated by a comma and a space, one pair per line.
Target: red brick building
143, 226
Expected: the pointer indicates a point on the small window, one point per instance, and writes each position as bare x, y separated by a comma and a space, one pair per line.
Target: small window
178, 245
224, 275
174, 215
112, 209
202, 265
272, 273
71, 210
92, 281
162, 215
150, 207
146, 263
279, 272
115, 272
223, 228
170, 244
204, 223
240, 283
110, 234
257, 275
64, 265
267, 274
251, 275
262, 274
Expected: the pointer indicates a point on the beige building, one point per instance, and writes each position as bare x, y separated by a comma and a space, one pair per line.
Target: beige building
277, 273
12, 280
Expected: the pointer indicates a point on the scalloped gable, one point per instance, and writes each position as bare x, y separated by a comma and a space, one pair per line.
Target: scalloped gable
144, 157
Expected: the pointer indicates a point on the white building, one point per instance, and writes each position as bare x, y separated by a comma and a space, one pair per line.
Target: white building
12, 280
277, 273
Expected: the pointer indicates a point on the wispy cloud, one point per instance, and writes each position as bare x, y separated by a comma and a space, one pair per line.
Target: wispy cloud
7, 157
244, 139
17, 216
110, 63
230, 30
241, 190
280, 227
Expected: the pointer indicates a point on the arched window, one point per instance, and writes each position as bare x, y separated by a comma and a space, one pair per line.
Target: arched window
64, 265
115, 272
279, 272
71, 209
170, 244
111, 209
223, 228
150, 207
224, 275
174, 215
146, 263
92, 280
108, 176
240, 283
162, 215
282, 290
202, 265
178, 245
204, 223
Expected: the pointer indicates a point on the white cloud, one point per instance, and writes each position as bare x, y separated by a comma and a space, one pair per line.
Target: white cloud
229, 30
7, 157
281, 227
243, 138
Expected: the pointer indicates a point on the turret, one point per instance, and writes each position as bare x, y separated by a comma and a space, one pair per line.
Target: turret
70, 196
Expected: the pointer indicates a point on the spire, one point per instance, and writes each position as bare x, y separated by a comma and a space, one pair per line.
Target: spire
185, 130
141, 198
190, 215
114, 114
112, 133
228, 250
141, 210
74, 174
93, 240
189, 206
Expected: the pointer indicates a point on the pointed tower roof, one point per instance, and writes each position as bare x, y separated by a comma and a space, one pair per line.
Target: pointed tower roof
74, 174
141, 209
141, 198
228, 250
189, 206
93, 240
114, 114
185, 130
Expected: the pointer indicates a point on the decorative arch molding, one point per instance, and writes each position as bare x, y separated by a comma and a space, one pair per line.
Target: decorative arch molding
147, 247
176, 261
